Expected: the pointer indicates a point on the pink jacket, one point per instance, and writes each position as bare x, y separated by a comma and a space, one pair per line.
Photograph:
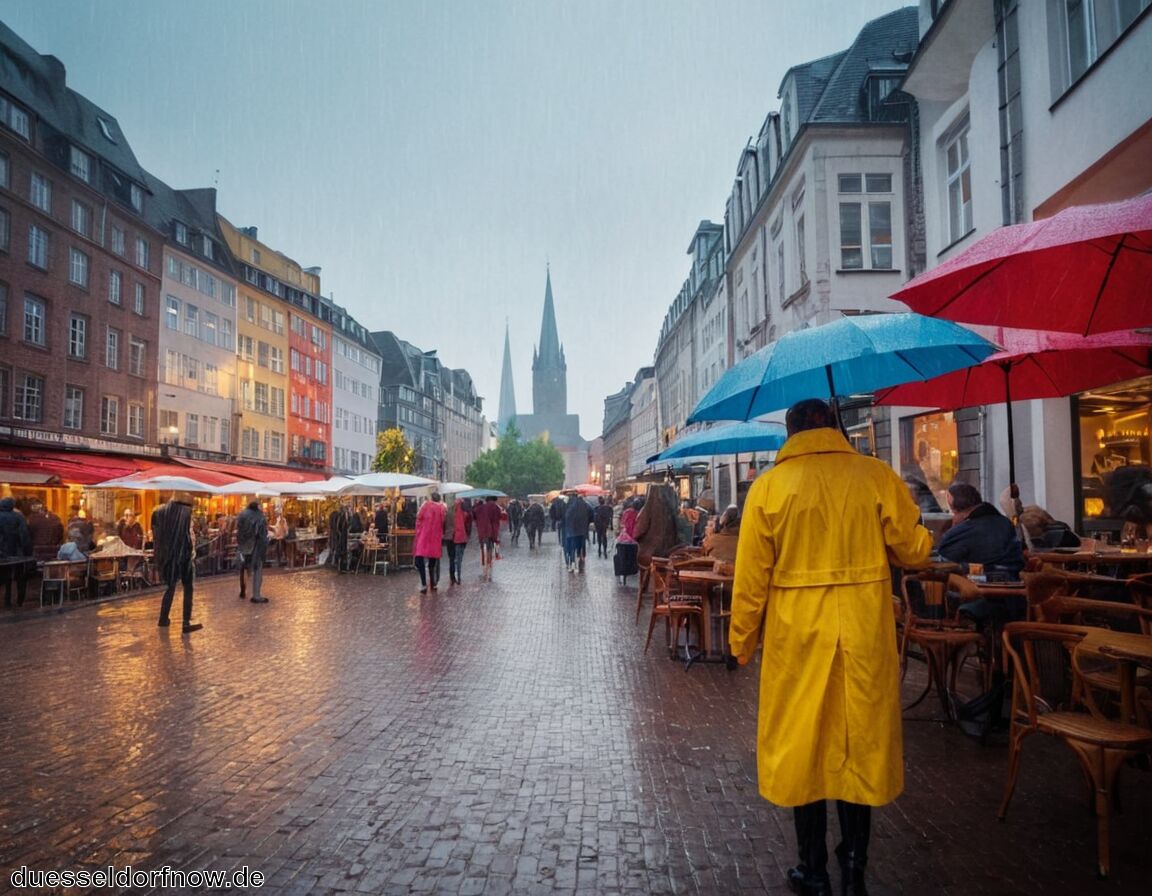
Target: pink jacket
429, 529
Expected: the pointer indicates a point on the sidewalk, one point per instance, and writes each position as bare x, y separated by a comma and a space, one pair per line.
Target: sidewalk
503, 737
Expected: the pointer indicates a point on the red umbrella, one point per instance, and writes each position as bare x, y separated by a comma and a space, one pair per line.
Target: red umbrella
588, 490
1033, 364
1085, 270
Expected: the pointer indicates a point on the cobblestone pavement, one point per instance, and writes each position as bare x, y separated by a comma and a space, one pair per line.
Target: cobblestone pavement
503, 737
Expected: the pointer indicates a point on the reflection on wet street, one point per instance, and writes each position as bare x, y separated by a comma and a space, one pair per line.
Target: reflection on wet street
511, 736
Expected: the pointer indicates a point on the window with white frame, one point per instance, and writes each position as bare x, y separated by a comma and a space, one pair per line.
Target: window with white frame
181, 233
109, 415
77, 267
80, 164
115, 287
138, 299
801, 261
136, 195
1089, 28
38, 247
73, 407
81, 218
78, 337
136, 420
112, 349
118, 240
959, 183
14, 117
28, 398
192, 429
141, 252
865, 221
40, 192
191, 320
137, 355
275, 359
172, 313
34, 312
250, 442
224, 337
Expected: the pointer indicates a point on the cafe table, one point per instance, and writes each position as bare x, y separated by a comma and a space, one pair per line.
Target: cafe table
1129, 650
712, 584
1122, 563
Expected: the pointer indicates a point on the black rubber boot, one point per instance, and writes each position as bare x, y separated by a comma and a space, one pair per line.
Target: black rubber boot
852, 853
810, 877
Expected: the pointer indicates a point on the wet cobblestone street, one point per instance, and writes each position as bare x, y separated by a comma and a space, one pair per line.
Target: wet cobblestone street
496, 737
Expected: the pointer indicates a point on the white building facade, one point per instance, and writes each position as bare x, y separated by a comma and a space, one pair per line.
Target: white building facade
355, 383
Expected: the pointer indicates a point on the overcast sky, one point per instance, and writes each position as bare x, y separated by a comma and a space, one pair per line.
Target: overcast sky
433, 157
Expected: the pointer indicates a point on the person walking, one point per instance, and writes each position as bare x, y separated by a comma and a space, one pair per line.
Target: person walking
15, 551
515, 519
175, 555
602, 522
487, 517
534, 523
577, 519
252, 546
427, 545
556, 516
813, 585
461, 526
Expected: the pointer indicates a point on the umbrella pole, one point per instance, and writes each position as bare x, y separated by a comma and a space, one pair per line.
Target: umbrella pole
832, 401
1013, 488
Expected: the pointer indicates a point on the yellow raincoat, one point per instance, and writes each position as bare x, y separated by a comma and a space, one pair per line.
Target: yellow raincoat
812, 581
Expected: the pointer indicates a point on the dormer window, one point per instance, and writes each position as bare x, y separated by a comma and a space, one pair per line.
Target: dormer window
80, 164
14, 117
209, 251
181, 233
137, 197
877, 87
105, 129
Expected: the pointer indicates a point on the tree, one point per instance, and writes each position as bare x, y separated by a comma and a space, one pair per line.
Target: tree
393, 453
518, 468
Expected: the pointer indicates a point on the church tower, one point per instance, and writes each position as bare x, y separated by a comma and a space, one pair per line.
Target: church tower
549, 370
507, 407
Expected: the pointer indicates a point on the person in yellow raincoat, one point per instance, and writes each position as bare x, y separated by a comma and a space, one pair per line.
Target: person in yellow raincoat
813, 584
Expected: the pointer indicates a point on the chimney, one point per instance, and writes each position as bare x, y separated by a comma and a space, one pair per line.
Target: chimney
54, 69
249, 231
314, 271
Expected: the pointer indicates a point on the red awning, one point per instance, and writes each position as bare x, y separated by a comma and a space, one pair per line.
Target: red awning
253, 472
75, 467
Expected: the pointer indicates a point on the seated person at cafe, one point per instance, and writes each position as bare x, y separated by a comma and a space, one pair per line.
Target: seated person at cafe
981, 534
721, 539
71, 550
129, 529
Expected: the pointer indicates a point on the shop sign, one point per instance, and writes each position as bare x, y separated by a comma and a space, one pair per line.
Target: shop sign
68, 440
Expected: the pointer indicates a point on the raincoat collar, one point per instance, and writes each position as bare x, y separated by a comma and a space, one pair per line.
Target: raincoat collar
814, 441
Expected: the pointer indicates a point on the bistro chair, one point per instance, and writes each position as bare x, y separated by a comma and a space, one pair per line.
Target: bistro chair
1039, 586
103, 575
944, 640
1044, 700
673, 605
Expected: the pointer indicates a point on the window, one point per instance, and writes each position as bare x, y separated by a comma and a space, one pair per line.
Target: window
172, 313
34, 320
4, 169
112, 349
3, 311
800, 250
109, 415
78, 337
141, 252
244, 347
5, 230
276, 359
209, 327
209, 249
137, 355
262, 398
871, 245
14, 117
137, 197
136, 420
1090, 28
77, 267
5, 387
115, 287
959, 184
276, 402
192, 429
191, 320
224, 337
138, 299
255, 256
262, 354
181, 233
117, 240
38, 247
250, 442
80, 164
28, 400
73, 407
81, 218
40, 192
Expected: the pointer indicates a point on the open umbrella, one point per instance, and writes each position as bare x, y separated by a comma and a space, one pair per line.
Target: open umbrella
1033, 364
727, 438
1087, 269
851, 355
163, 483
588, 490
480, 493
374, 483
261, 489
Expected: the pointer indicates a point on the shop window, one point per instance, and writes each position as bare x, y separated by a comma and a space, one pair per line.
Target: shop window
929, 458
1115, 453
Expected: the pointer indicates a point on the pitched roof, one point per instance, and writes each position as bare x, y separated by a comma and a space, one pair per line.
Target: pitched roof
196, 209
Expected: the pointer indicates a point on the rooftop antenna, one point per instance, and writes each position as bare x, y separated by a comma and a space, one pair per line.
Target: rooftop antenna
216, 181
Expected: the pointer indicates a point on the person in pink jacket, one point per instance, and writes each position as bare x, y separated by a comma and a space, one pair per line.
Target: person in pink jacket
427, 545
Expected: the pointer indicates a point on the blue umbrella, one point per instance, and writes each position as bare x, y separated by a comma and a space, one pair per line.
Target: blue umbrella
727, 438
849, 356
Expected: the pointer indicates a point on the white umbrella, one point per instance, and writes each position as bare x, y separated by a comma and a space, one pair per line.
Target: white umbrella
374, 483
158, 483
444, 488
259, 489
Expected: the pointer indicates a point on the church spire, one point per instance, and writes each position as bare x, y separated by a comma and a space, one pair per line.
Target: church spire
507, 406
549, 371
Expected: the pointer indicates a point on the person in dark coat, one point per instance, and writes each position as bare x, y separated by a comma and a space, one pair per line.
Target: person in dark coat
252, 545
556, 515
338, 524
577, 519
602, 522
381, 520
175, 555
656, 523
534, 523
84, 525
15, 551
47, 532
515, 519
